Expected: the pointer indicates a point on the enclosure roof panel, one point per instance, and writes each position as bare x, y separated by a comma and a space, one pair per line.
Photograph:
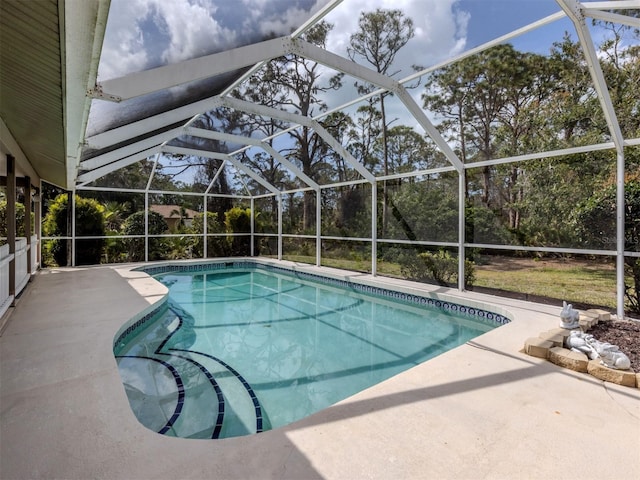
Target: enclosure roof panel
91, 96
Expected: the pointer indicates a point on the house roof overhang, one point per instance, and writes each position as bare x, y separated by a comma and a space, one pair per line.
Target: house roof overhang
49, 54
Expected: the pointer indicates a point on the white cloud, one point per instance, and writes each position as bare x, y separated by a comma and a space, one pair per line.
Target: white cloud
192, 29
143, 34
439, 30
123, 50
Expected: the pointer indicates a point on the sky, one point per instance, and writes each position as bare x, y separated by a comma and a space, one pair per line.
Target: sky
143, 34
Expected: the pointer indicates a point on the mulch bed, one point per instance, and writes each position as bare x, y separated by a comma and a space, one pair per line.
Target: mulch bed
624, 334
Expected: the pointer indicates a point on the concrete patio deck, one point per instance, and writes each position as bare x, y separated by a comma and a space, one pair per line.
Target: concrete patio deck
483, 410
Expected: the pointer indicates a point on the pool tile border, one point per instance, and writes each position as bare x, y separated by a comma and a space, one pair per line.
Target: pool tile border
482, 315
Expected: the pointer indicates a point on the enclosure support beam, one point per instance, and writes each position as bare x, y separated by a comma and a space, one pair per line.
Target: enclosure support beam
280, 227
131, 149
96, 173
72, 194
374, 229
226, 137
318, 227
253, 229
37, 210
146, 226
461, 229
620, 237
205, 221
11, 224
575, 12
27, 223
294, 118
222, 156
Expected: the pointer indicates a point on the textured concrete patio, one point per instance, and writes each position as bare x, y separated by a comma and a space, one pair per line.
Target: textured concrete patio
483, 410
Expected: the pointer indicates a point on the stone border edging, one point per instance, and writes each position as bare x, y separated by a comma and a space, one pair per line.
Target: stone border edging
550, 346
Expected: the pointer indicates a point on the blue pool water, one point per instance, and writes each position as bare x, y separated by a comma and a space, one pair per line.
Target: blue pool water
239, 351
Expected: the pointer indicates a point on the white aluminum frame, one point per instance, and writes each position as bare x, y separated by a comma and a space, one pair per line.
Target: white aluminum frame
255, 56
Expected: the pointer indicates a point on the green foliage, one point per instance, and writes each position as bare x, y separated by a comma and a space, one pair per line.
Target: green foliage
89, 222
20, 224
440, 268
134, 225
596, 221
484, 226
238, 220
422, 211
215, 245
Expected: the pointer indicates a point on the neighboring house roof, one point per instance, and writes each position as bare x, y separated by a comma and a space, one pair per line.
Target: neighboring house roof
171, 211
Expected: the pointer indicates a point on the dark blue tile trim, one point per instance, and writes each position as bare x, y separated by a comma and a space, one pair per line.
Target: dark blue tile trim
179, 385
218, 426
139, 323
256, 403
478, 314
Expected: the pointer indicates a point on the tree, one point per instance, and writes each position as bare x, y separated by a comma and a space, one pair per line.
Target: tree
135, 225
380, 36
596, 220
89, 222
259, 89
215, 246
299, 81
20, 224
238, 220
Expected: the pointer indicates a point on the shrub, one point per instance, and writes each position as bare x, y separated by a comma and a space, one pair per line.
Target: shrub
238, 220
89, 222
134, 225
439, 267
596, 223
20, 210
215, 245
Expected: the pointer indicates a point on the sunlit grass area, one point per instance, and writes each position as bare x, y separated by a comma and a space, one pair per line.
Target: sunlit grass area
592, 283
577, 281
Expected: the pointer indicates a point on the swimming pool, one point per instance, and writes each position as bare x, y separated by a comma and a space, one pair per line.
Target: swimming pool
240, 347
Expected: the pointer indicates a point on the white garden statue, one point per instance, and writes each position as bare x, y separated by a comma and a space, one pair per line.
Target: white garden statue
569, 317
612, 357
609, 355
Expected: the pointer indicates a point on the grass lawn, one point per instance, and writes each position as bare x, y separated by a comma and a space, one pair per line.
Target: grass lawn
574, 280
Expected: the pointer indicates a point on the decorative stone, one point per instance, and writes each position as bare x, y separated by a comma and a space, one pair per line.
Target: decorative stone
603, 315
537, 347
585, 324
637, 380
626, 378
566, 358
590, 318
556, 339
560, 331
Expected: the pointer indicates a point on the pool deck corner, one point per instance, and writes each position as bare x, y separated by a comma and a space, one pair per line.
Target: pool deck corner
482, 410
